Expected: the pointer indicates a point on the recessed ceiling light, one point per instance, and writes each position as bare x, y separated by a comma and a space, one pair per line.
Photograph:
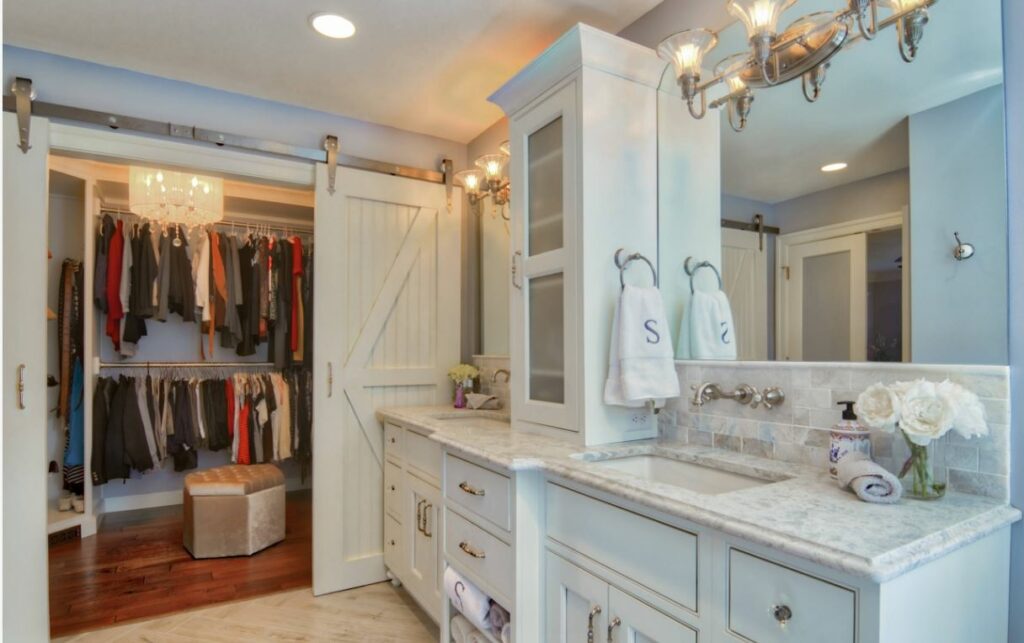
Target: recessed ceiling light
833, 167
332, 25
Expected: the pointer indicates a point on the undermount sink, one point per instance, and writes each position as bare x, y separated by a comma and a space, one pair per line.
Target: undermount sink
687, 475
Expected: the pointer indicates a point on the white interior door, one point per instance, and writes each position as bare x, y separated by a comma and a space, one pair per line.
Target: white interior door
745, 282
386, 330
825, 300
25, 582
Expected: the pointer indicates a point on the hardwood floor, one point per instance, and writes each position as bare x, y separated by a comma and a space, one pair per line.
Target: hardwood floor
373, 614
136, 567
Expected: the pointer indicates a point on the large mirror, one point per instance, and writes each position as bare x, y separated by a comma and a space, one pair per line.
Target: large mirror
860, 195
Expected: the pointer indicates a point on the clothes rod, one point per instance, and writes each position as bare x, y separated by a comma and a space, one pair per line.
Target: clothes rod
220, 139
302, 229
186, 364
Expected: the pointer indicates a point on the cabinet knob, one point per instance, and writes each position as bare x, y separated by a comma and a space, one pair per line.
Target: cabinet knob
392, 542
392, 487
782, 614
470, 489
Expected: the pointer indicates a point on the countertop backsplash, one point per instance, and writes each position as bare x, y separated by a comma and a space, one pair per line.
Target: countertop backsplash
797, 431
488, 364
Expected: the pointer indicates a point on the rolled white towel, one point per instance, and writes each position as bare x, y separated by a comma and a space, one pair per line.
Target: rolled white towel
477, 637
461, 629
868, 480
506, 633
467, 598
498, 618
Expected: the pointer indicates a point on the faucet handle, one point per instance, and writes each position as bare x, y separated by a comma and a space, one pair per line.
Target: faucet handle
772, 397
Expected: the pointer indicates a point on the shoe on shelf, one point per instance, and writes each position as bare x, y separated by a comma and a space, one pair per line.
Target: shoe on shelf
64, 502
78, 503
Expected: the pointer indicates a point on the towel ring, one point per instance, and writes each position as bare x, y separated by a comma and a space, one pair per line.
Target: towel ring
622, 264
692, 270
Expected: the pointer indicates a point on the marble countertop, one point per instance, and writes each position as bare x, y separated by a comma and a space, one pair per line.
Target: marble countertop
803, 513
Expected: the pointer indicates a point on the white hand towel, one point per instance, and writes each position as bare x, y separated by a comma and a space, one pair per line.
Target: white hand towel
708, 317
482, 401
640, 364
461, 629
868, 480
468, 598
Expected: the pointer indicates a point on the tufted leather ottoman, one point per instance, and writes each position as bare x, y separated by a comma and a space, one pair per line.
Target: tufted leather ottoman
235, 510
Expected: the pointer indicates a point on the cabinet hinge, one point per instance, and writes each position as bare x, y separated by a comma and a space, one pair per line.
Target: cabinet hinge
785, 271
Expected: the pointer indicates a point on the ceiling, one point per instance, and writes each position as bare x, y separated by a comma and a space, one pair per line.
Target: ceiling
861, 116
425, 67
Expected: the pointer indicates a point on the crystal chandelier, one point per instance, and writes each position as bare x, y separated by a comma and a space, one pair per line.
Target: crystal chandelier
488, 180
801, 51
171, 198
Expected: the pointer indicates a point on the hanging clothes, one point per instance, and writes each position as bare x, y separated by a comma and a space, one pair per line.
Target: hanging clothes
113, 290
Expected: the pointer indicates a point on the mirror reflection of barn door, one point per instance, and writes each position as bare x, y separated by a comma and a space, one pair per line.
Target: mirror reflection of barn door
745, 282
824, 299
386, 331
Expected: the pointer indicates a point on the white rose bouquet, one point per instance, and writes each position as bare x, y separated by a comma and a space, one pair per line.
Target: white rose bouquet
923, 411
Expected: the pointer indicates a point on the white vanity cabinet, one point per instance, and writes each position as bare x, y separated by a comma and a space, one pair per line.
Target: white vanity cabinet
412, 522
615, 572
583, 130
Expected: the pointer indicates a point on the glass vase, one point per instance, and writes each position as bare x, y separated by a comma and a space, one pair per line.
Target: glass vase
460, 397
918, 475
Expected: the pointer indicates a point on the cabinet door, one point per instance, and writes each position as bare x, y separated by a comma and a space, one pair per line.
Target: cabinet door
420, 529
631, 621
576, 603
544, 222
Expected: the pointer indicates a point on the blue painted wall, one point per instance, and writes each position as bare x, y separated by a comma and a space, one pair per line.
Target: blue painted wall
958, 183
78, 83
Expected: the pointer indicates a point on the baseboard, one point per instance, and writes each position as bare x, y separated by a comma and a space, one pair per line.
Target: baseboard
166, 498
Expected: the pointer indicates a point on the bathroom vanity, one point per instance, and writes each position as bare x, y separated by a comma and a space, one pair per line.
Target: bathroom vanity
656, 540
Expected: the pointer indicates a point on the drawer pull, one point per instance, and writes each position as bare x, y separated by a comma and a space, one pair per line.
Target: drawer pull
426, 518
594, 611
471, 550
419, 516
471, 490
782, 614
614, 623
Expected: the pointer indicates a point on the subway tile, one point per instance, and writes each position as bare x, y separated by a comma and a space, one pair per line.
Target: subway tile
730, 442
822, 419
759, 448
980, 484
810, 398
995, 462
831, 378
700, 438
963, 458
817, 438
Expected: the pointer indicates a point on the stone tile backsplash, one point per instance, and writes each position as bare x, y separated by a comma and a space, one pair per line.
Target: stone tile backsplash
797, 431
488, 365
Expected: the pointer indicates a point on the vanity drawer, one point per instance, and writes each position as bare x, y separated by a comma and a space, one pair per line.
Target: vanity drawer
479, 490
479, 552
393, 545
393, 490
761, 592
658, 556
423, 453
393, 441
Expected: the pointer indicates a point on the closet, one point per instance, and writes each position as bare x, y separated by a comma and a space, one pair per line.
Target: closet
157, 384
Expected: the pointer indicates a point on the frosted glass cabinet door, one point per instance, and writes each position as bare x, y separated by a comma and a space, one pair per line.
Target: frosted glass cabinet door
577, 603
544, 220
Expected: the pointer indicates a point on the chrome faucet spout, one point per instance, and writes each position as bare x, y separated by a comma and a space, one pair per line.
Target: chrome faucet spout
494, 377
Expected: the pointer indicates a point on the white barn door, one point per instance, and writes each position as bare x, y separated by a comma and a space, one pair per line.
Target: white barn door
25, 598
745, 282
386, 330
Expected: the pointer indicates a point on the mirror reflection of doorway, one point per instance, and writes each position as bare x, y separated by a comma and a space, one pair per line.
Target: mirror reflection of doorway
842, 293
745, 282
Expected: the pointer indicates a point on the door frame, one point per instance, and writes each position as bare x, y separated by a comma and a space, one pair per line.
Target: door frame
85, 142
877, 223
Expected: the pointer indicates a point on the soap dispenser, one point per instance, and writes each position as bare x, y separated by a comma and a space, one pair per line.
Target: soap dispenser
847, 436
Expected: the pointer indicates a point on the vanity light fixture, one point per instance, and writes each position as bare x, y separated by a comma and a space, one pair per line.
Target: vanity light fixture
332, 25
802, 50
834, 167
488, 180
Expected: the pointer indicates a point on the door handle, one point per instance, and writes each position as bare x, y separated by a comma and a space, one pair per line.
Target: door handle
330, 379
419, 515
594, 611
612, 624
19, 387
426, 520
519, 255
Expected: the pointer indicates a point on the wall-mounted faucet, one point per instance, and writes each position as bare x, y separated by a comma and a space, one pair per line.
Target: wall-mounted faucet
743, 394
494, 376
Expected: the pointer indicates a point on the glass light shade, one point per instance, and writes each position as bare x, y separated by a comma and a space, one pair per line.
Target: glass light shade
731, 69
493, 165
171, 197
470, 180
505, 148
686, 50
760, 17
899, 6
